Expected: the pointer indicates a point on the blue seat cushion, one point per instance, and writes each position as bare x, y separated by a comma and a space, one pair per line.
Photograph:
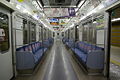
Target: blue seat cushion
46, 43
67, 43
81, 55
45, 49
73, 49
38, 55
78, 51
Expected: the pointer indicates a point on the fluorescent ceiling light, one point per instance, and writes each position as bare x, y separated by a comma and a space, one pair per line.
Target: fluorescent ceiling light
1, 18
36, 5
43, 23
72, 25
100, 7
12, 3
36, 16
18, 6
25, 11
93, 11
117, 19
77, 26
94, 22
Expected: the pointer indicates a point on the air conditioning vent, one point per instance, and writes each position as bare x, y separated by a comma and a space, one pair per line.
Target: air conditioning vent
59, 1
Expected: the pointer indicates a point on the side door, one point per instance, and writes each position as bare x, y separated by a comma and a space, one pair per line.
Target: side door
6, 67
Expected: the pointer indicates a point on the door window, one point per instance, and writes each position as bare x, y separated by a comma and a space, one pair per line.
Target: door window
4, 32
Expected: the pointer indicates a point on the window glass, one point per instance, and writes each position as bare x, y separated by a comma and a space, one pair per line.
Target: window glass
32, 32
40, 37
4, 32
53, 34
25, 32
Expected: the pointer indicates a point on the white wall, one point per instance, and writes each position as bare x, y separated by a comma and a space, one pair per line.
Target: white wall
37, 32
100, 37
19, 31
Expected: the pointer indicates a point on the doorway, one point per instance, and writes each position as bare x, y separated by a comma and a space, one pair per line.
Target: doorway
115, 45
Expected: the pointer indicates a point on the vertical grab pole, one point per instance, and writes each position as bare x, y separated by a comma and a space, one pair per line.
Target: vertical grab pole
108, 46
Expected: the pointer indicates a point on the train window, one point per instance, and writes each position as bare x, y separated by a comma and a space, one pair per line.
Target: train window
53, 34
25, 32
85, 29
62, 34
33, 32
4, 32
44, 33
40, 37
57, 33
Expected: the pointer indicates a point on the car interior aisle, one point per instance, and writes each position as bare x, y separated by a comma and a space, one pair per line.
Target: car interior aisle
59, 39
59, 64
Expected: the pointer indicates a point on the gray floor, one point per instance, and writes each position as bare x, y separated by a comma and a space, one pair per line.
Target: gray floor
59, 65
115, 53
115, 63
114, 72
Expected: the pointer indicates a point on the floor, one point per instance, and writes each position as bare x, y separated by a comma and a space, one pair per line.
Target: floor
114, 72
59, 64
115, 63
115, 55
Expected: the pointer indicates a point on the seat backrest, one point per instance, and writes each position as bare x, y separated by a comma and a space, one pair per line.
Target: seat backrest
80, 45
31, 47
86, 47
46, 43
28, 48
20, 49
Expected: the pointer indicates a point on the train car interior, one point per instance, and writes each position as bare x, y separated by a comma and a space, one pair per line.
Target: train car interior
59, 39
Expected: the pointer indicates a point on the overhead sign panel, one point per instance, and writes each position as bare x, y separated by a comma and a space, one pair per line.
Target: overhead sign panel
71, 11
63, 21
59, 12
54, 21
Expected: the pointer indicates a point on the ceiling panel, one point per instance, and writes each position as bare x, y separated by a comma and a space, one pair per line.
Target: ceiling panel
59, 3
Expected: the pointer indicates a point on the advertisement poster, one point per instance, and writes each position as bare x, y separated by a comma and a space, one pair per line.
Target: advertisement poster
63, 21
59, 12
100, 22
71, 11
54, 21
